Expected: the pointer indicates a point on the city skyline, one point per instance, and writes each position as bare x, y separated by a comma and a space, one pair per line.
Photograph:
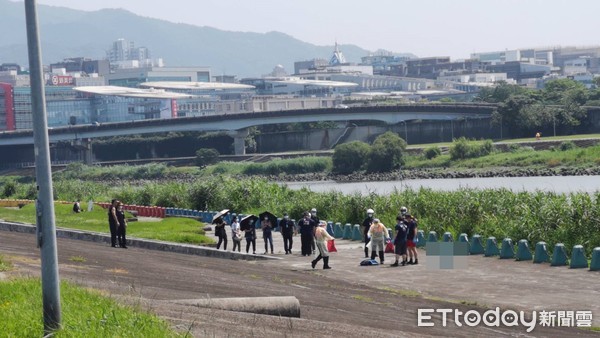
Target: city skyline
454, 29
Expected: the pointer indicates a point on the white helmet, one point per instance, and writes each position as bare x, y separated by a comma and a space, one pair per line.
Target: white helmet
370, 211
403, 210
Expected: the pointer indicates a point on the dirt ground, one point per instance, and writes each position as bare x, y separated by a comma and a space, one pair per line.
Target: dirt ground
347, 301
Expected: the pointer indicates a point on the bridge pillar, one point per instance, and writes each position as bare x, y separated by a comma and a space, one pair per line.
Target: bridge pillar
88, 154
239, 141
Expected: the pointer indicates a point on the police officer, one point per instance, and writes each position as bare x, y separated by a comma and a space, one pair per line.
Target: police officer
307, 233
288, 230
366, 225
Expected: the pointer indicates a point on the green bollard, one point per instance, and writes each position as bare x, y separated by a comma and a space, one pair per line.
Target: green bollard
338, 231
448, 237
507, 250
523, 252
356, 234
595, 266
541, 253
491, 247
578, 259
463, 238
421, 239
432, 237
476, 246
347, 231
559, 255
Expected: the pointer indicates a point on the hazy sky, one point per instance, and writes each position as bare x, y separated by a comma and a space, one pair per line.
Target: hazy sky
454, 28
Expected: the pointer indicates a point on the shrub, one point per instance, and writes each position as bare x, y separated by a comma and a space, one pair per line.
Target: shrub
350, 157
9, 189
206, 156
462, 149
513, 147
567, 145
432, 152
387, 153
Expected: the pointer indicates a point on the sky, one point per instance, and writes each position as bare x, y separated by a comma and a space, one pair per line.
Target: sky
454, 28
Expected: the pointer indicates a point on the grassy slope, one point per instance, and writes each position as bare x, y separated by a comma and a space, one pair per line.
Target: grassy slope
85, 313
181, 230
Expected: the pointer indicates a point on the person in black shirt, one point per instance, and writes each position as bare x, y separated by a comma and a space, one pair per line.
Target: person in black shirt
113, 222
307, 233
221, 233
121, 226
411, 242
267, 229
366, 225
250, 235
288, 230
400, 241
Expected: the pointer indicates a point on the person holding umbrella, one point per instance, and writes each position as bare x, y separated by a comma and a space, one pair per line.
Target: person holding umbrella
247, 226
220, 228
321, 238
288, 230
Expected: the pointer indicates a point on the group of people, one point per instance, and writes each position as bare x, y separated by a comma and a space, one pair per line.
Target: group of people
117, 224
405, 242
314, 236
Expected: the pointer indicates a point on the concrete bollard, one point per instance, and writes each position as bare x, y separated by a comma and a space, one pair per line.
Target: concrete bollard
432, 237
356, 235
491, 247
447, 237
347, 231
329, 228
559, 255
541, 253
595, 265
476, 246
507, 250
338, 231
275, 306
421, 239
523, 252
463, 238
578, 259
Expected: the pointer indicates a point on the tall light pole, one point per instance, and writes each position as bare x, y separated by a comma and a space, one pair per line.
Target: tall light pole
46, 230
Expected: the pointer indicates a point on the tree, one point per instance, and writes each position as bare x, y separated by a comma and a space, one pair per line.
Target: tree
500, 93
350, 157
206, 156
387, 153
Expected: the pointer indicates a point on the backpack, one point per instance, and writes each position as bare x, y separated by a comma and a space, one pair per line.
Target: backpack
367, 262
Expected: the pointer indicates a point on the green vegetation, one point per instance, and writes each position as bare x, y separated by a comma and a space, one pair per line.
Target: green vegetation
291, 166
432, 152
462, 149
85, 313
350, 157
206, 156
5, 264
570, 219
386, 154
180, 230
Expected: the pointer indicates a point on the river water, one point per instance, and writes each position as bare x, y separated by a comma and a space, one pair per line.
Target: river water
558, 184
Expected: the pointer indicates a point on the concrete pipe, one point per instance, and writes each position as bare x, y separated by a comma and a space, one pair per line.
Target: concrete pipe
274, 306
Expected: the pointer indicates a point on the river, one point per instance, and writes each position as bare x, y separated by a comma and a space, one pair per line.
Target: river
558, 184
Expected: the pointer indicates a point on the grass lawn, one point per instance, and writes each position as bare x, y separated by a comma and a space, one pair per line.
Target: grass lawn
172, 229
85, 313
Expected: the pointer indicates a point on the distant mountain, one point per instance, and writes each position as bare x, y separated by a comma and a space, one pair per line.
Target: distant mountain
70, 33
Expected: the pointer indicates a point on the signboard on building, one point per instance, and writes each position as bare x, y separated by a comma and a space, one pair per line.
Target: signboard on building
61, 80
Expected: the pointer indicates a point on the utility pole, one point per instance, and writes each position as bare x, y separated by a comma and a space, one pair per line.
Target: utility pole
46, 230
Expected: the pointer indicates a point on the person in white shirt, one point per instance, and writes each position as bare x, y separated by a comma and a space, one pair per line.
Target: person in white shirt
321, 238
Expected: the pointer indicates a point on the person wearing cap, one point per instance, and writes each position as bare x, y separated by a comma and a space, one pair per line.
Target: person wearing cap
321, 237
366, 225
378, 234
288, 230
411, 241
267, 228
400, 241
307, 233
316, 221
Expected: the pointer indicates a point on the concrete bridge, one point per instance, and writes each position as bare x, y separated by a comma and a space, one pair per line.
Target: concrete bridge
237, 124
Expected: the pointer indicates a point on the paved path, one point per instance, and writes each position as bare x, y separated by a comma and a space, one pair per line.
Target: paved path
346, 301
